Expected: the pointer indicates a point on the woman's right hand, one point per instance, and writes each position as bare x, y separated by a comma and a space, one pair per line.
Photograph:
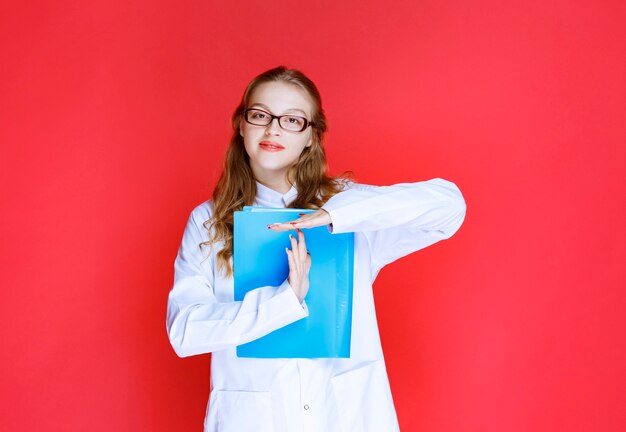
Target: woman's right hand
299, 265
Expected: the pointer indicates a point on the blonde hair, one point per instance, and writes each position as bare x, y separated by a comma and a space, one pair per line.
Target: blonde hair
236, 186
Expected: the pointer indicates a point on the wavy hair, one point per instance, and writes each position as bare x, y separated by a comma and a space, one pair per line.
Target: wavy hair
236, 186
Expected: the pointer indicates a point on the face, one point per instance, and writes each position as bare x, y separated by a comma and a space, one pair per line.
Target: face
273, 150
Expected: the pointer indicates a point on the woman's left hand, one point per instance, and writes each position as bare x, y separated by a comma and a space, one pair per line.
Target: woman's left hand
309, 220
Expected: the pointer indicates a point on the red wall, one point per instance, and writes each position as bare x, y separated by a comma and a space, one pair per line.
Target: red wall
114, 119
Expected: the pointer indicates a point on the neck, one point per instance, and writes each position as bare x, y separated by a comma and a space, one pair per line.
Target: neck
280, 185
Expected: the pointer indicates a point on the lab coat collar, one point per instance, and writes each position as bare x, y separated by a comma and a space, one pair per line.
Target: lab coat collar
267, 197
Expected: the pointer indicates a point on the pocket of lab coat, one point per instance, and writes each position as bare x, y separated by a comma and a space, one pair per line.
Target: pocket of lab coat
243, 411
363, 399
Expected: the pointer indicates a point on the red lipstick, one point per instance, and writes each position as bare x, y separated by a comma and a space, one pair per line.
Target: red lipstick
271, 146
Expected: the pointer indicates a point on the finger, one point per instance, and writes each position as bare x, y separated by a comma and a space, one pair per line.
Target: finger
303, 219
295, 251
319, 218
294, 275
294, 243
301, 223
293, 272
281, 226
311, 220
286, 226
302, 244
309, 223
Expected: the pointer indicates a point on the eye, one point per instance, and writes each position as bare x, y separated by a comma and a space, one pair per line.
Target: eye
295, 120
259, 115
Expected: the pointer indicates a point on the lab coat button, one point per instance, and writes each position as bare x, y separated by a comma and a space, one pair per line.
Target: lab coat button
306, 406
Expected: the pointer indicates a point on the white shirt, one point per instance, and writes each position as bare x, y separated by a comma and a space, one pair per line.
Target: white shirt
308, 395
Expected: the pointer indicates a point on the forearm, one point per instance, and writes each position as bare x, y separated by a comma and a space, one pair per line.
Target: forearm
203, 327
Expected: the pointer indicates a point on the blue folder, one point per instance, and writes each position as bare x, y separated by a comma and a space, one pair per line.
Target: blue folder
260, 260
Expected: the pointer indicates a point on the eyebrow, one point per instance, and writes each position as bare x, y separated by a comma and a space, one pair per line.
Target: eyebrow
270, 111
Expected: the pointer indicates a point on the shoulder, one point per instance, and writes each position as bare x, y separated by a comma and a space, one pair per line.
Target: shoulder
198, 218
202, 212
437, 182
347, 184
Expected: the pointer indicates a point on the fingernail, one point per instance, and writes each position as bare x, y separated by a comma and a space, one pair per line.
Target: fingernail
293, 223
269, 226
301, 214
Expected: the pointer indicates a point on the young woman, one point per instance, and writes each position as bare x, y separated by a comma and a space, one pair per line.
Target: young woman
276, 159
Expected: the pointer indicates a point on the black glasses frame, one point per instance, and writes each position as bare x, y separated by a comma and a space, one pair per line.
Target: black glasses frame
307, 123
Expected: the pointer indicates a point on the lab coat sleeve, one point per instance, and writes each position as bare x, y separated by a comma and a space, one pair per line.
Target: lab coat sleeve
198, 323
398, 219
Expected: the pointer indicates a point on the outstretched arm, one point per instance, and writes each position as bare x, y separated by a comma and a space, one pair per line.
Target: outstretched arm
396, 220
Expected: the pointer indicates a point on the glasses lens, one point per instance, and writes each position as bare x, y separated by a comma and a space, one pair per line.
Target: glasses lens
293, 123
258, 117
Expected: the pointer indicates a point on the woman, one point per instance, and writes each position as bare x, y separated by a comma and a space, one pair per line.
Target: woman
276, 159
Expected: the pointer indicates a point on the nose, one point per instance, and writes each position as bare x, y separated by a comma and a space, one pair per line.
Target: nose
273, 128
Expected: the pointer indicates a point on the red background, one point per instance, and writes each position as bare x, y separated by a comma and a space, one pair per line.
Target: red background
114, 119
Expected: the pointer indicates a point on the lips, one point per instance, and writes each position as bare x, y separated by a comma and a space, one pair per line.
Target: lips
271, 146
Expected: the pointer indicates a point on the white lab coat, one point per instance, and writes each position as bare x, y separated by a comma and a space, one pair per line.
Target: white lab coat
312, 395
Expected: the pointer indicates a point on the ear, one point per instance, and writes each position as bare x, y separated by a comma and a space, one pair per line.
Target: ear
310, 141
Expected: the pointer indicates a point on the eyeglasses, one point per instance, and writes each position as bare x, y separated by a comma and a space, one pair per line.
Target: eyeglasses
291, 123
